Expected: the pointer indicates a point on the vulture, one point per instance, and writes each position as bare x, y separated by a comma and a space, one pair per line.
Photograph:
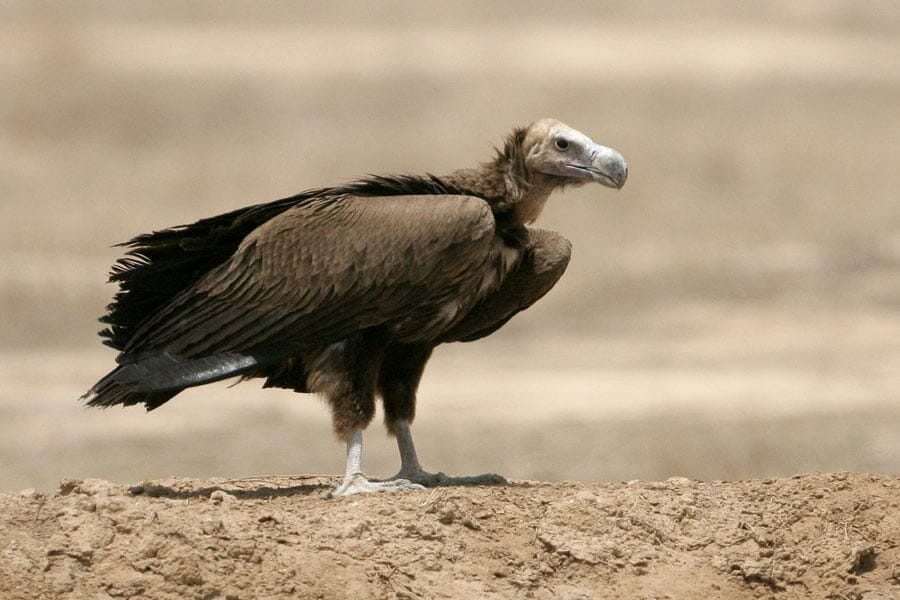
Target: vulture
345, 291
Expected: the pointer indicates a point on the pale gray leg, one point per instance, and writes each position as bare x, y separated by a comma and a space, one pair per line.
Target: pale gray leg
409, 461
411, 470
354, 480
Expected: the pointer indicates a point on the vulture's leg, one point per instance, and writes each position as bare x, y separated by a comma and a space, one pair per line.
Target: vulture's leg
346, 373
409, 460
546, 258
398, 381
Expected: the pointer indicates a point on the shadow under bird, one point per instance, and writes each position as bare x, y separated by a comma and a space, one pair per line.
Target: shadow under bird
345, 291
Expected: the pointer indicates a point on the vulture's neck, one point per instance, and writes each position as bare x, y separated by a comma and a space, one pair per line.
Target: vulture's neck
515, 194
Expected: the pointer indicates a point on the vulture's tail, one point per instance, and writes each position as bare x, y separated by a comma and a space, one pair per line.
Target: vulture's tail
154, 380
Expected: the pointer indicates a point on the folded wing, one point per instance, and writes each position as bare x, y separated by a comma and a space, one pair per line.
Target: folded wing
310, 276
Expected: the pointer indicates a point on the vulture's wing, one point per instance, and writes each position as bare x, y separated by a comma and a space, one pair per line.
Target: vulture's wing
314, 275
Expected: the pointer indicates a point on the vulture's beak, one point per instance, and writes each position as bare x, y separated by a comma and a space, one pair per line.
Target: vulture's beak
603, 165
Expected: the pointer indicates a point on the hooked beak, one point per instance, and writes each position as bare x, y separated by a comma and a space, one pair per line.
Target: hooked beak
607, 167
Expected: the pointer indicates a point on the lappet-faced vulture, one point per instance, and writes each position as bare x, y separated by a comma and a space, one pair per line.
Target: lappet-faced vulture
345, 291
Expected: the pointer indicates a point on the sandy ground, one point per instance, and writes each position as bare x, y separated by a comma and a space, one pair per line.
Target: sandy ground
732, 313
812, 536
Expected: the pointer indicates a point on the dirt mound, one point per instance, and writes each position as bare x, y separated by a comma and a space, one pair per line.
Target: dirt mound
811, 536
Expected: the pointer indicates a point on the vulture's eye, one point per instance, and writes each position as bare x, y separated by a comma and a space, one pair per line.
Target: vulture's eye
561, 144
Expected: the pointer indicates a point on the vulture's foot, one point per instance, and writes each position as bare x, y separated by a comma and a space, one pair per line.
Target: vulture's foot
422, 477
358, 484
427, 479
411, 470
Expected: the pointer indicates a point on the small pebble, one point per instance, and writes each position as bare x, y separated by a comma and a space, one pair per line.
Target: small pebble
220, 497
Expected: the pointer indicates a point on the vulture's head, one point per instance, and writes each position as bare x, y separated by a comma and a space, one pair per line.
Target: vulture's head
554, 148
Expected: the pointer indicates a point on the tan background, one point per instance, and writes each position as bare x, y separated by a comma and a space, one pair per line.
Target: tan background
734, 311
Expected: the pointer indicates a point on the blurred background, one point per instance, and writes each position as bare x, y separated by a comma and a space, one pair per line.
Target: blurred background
733, 312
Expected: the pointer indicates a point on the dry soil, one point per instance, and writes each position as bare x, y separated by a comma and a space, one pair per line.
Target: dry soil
809, 536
